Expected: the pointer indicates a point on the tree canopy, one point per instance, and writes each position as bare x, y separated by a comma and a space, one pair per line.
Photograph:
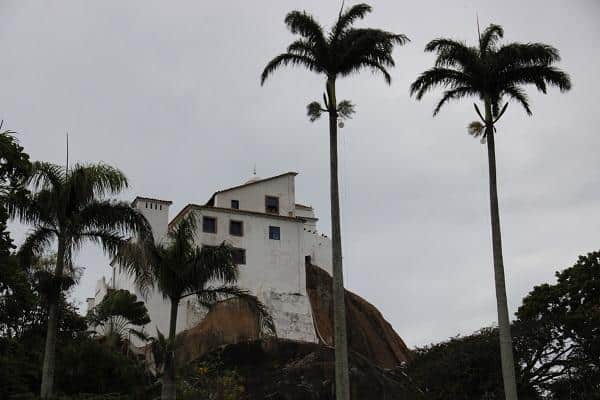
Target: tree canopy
490, 71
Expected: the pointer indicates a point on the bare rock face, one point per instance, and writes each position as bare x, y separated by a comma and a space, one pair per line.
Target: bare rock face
233, 321
369, 333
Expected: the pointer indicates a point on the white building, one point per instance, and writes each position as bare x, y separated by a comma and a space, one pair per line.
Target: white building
273, 236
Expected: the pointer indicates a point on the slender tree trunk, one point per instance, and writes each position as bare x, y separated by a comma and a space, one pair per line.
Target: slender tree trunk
506, 350
49, 365
342, 381
169, 386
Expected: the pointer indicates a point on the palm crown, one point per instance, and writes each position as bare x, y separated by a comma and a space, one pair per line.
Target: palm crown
179, 268
70, 206
342, 51
489, 71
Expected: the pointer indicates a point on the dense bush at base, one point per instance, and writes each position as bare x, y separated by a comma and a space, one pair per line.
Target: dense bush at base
83, 366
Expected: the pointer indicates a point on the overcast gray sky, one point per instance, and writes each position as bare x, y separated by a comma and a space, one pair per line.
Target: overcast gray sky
169, 92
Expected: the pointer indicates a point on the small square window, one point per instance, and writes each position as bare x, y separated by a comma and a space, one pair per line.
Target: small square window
272, 204
239, 256
274, 233
209, 225
235, 204
236, 228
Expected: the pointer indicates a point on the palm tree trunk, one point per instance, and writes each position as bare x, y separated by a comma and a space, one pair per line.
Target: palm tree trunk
169, 387
506, 350
49, 364
342, 381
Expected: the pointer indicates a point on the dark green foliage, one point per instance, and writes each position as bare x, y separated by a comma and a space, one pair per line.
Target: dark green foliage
489, 71
463, 368
14, 164
286, 370
119, 315
556, 340
341, 52
180, 268
344, 50
83, 366
69, 207
562, 326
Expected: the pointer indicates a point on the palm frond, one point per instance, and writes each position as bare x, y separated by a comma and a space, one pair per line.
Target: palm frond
117, 216
454, 94
94, 181
476, 129
211, 296
526, 54
442, 44
302, 48
289, 59
47, 176
110, 241
121, 303
436, 77
139, 259
314, 111
304, 24
519, 96
28, 210
538, 75
345, 109
490, 37
348, 17
34, 245
373, 66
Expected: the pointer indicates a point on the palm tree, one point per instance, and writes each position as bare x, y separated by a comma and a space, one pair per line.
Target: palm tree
492, 73
179, 269
343, 51
69, 208
118, 316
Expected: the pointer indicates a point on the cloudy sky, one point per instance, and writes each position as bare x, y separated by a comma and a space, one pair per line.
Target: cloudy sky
169, 92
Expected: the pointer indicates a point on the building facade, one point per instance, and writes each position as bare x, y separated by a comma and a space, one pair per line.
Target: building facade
273, 237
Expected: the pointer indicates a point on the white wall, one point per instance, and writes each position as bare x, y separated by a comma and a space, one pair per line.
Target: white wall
274, 269
252, 197
157, 214
318, 247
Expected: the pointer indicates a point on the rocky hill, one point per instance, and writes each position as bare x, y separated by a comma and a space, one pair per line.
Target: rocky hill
229, 337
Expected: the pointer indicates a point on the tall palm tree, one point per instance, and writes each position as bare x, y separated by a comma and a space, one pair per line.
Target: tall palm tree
344, 50
69, 208
179, 268
492, 73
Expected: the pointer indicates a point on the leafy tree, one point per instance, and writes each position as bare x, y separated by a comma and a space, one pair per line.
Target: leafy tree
118, 316
492, 73
68, 207
14, 169
341, 52
178, 269
464, 368
560, 330
556, 344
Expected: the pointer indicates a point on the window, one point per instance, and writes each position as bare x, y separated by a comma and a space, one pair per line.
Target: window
235, 204
239, 256
272, 204
274, 233
209, 225
236, 228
